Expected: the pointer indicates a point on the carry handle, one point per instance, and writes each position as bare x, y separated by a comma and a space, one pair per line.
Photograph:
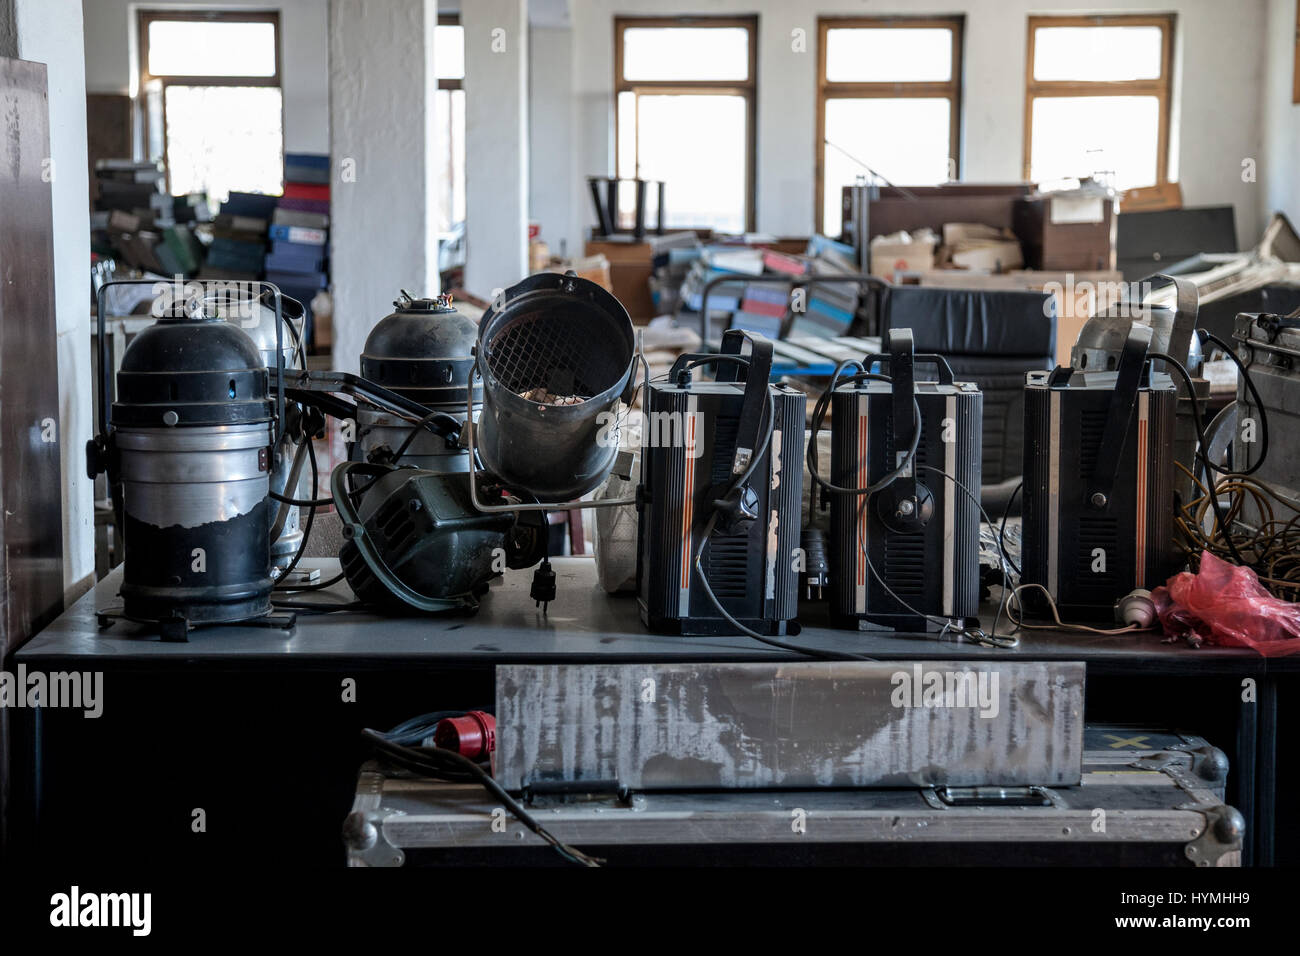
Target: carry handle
1123, 407
105, 383
1186, 307
946, 376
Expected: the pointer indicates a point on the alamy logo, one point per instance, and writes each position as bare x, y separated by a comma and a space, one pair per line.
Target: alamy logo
935, 688
74, 908
76, 690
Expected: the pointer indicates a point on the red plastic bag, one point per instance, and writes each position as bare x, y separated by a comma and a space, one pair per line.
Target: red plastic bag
1225, 604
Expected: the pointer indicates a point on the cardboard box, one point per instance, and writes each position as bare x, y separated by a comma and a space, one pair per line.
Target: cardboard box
988, 255
891, 254
1067, 231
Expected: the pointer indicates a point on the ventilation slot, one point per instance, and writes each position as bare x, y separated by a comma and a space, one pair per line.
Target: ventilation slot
904, 570
725, 430
726, 562
1095, 533
1092, 426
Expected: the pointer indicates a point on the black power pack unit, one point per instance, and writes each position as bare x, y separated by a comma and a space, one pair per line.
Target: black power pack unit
1099, 483
721, 482
905, 553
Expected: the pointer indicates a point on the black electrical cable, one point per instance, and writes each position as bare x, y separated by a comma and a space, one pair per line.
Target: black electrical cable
311, 511
1254, 394
819, 415
318, 586
1002, 530
438, 763
1203, 452
707, 532
303, 502
318, 607
416, 429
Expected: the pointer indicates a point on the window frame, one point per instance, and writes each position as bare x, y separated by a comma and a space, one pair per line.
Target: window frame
449, 20
1161, 88
147, 16
748, 89
951, 89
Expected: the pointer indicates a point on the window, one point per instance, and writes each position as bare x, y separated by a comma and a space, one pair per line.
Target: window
449, 63
1097, 101
214, 105
685, 90
888, 100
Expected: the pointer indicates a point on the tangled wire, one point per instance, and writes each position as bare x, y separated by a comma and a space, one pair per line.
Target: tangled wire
1263, 526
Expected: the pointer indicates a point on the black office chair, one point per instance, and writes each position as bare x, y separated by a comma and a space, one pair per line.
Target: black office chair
991, 337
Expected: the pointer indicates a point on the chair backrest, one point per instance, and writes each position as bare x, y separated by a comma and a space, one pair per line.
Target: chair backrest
991, 337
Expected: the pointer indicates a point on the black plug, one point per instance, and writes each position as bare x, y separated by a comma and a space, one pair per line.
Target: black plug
543, 589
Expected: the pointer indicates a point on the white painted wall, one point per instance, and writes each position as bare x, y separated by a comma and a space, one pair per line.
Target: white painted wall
496, 143
112, 62
380, 134
49, 32
1279, 172
1217, 84
550, 122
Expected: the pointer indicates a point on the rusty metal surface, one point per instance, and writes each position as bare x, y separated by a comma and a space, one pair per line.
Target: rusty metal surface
32, 527
816, 724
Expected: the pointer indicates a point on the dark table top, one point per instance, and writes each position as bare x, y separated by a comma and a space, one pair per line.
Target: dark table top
583, 624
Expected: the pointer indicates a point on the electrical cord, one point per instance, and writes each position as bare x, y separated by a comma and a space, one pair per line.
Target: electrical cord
819, 414
1203, 451
750, 632
1002, 530
302, 502
1272, 549
1254, 393
707, 532
311, 513
1057, 624
417, 428
448, 765
318, 586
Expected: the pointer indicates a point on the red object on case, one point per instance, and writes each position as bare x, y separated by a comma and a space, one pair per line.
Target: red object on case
473, 736
1225, 604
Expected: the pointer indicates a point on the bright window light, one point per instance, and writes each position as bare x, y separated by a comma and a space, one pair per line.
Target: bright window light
906, 140
224, 138
696, 144
211, 48
1098, 54
892, 55
685, 53
1115, 136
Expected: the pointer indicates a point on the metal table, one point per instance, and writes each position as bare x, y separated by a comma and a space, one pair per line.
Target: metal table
585, 624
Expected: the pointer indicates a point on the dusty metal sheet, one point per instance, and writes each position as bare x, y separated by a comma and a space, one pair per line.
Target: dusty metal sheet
814, 724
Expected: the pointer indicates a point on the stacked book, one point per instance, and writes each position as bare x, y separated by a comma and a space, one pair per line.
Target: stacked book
239, 237
763, 308
298, 258
832, 306
135, 221
670, 259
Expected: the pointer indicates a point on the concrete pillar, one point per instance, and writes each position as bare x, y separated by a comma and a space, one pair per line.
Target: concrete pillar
50, 32
496, 143
382, 228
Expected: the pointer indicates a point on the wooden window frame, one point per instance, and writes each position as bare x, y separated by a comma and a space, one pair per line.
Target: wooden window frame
145, 17
951, 89
1295, 63
748, 89
1161, 88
